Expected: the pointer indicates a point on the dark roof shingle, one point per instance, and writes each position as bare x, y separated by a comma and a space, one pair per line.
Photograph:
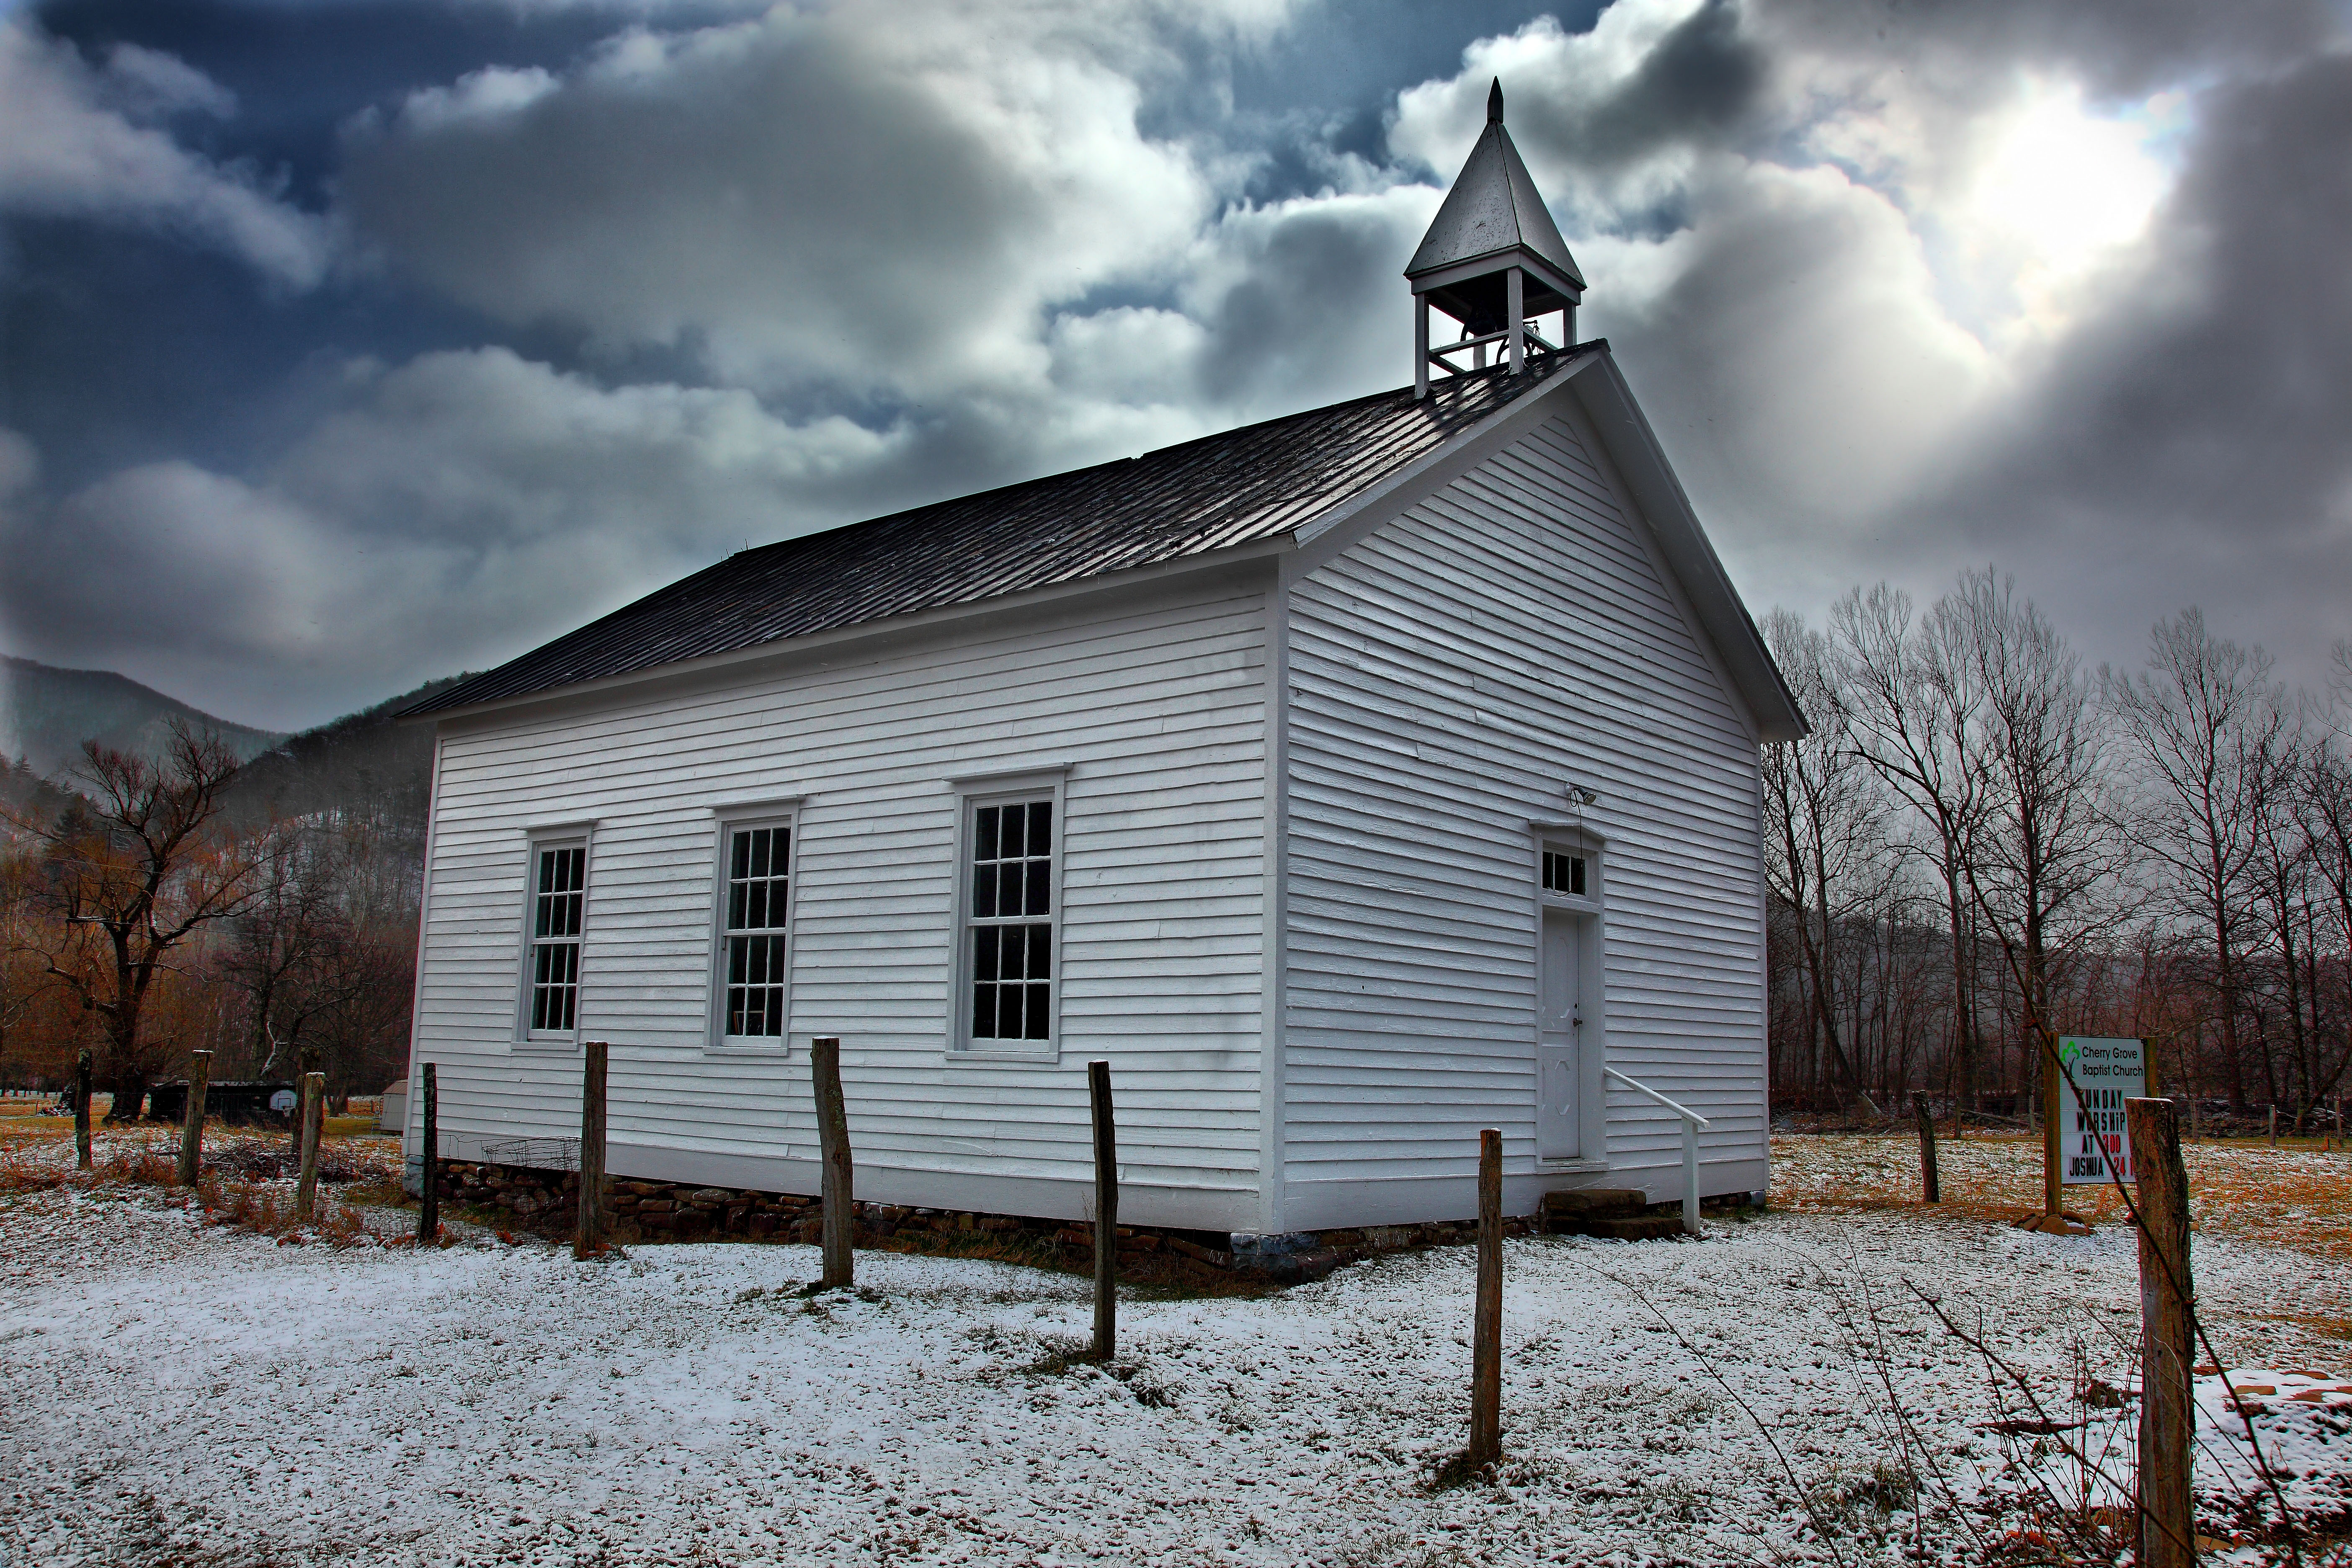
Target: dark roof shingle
1216, 493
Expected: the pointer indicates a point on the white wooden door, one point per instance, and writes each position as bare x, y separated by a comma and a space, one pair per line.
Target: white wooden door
1558, 1131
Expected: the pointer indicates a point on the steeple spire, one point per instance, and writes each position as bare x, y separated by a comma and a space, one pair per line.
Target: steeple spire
1492, 259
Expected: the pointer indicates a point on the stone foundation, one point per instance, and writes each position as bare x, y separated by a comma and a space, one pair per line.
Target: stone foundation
547, 1200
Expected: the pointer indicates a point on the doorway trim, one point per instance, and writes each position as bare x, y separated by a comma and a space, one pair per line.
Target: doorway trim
1590, 909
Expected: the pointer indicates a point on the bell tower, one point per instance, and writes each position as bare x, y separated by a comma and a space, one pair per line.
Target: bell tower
1493, 261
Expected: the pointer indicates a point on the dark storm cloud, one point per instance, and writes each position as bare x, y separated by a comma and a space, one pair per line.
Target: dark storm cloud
1700, 84
1314, 308
2116, 46
2191, 444
2215, 384
435, 327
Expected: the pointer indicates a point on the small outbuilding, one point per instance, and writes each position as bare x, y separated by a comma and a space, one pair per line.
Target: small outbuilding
1351, 781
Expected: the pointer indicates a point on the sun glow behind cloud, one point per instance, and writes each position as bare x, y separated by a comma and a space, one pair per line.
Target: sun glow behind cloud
2061, 196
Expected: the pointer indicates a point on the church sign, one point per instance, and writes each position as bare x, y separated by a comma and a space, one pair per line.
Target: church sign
2100, 1075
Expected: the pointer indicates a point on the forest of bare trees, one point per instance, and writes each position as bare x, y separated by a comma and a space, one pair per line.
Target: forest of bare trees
153, 906
1984, 845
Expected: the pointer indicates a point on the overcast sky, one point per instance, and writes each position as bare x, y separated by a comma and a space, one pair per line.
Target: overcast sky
344, 343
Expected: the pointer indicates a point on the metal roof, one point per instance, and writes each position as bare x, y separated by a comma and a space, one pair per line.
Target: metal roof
1216, 493
1493, 207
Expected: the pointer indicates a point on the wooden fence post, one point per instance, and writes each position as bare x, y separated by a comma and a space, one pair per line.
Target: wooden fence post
311, 1127
307, 1063
428, 1206
2168, 1415
82, 1109
588, 1235
1487, 1350
1106, 1211
192, 1118
832, 1143
1929, 1182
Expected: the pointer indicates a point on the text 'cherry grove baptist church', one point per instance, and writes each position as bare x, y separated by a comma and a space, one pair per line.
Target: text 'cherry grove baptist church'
1350, 783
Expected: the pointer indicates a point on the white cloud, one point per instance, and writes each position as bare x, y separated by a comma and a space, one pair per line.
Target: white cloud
878, 205
69, 146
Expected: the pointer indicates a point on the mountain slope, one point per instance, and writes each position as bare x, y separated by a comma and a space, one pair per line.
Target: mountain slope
365, 769
46, 713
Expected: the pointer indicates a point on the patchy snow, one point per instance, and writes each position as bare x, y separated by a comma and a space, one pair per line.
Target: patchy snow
189, 1396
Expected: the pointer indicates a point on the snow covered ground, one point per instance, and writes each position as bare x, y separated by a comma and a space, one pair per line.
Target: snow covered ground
191, 1396
196, 1395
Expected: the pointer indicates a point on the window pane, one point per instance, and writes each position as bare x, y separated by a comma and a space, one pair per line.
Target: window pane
759, 837
740, 861
1012, 881
1576, 875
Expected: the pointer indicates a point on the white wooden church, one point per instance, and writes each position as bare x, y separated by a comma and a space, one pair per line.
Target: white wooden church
1350, 783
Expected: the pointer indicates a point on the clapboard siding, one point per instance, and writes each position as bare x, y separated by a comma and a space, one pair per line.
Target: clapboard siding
1158, 706
1448, 672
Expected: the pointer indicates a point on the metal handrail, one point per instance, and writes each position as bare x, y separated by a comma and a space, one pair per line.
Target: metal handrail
1683, 1112
1692, 1122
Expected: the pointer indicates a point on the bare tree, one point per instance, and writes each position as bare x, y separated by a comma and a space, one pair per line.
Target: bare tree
129, 873
285, 948
1913, 701
2210, 734
2046, 846
1825, 853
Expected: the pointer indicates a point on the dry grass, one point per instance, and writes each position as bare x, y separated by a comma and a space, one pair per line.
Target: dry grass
2297, 1197
242, 1184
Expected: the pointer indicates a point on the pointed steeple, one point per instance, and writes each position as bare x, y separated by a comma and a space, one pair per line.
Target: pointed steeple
1492, 257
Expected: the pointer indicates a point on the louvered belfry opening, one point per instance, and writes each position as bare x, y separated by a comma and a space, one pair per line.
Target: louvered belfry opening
1493, 261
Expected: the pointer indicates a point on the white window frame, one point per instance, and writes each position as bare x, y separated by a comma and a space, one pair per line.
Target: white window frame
1007, 788
568, 835
734, 820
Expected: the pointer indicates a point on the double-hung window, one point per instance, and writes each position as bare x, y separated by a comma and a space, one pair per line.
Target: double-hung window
1008, 917
559, 893
755, 905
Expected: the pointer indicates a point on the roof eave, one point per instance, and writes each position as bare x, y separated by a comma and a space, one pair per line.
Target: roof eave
1481, 265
